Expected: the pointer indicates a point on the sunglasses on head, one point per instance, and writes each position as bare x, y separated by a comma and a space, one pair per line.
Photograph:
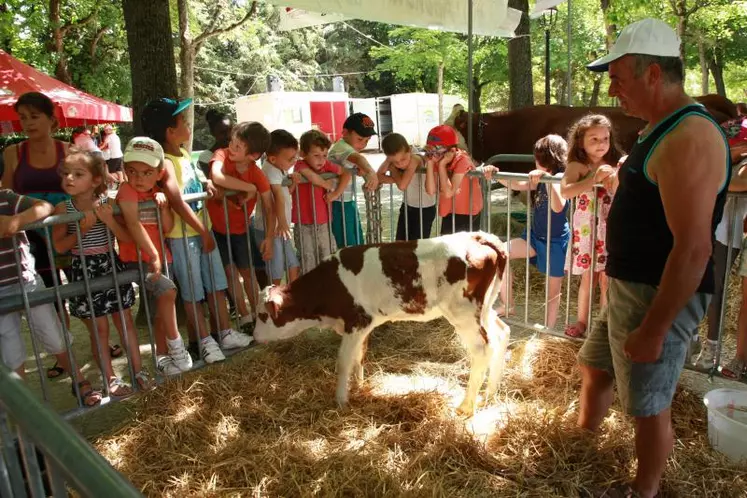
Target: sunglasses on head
438, 150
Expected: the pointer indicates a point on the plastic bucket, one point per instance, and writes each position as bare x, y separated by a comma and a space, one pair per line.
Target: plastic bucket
727, 422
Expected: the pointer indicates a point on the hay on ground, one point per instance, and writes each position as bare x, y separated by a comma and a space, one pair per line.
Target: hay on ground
265, 424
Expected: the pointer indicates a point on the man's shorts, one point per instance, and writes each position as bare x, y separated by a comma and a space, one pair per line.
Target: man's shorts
645, 389
43, 323
200, 267
240, 244
283, 255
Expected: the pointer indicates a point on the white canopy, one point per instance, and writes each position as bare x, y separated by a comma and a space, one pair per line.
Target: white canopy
489, 17
542, 5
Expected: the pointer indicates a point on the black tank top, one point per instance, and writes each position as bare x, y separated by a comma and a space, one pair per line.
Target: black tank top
638, 238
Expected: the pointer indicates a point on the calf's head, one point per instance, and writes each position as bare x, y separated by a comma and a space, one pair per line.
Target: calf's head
279, 316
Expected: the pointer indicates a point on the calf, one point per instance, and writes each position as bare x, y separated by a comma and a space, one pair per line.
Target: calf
359, 288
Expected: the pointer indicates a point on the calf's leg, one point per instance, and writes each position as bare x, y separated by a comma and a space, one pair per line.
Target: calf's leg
349, 356
498, 335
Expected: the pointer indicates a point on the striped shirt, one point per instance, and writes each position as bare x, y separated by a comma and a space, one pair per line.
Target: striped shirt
95, 240
10, 205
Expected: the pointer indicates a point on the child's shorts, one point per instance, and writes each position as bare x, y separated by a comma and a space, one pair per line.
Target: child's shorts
240, 244
104, 302
314, 244
352, 235
43, 323
201, 266
283, 254
558, 249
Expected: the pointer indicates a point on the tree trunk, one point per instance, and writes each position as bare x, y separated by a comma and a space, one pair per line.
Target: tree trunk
440, 90
610, 29
477, 96
594, 100
703, 66
152, 64
61, 71
521, 90
716, 65
681, 30
187, 55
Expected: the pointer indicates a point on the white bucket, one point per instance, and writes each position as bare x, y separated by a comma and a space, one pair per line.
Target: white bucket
727, 422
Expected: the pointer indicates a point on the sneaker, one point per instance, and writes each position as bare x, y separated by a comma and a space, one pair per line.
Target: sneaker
707, 357
166, 366
211, 352
233, 340
181, 359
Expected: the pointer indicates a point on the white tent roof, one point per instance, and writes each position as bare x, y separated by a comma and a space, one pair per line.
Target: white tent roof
489, 17
542, 5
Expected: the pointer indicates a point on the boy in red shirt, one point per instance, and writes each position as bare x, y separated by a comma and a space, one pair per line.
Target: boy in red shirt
143, 164
311, 202
235, 168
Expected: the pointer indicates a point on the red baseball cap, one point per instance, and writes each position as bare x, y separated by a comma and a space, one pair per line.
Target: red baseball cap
443, 136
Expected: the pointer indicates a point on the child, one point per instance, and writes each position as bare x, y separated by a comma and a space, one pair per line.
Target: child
357, 130
591, 158
15, 212
84, 179
143, 165
197, 264
235, 168
281, 156
460, 203
550, 155
310, 204
420, 190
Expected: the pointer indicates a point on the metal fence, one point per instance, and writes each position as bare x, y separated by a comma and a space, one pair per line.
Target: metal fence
33, 423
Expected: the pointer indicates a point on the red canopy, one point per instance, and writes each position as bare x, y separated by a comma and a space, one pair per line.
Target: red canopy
74, 108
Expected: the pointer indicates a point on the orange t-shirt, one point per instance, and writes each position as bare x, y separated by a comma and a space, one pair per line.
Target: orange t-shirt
236, 221
461, 201
128, 250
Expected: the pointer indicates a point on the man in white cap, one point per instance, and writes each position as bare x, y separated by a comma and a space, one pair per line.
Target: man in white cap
670, 194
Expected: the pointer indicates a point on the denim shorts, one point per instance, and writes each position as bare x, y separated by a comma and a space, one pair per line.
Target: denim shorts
283, 254
645, 389
201, 266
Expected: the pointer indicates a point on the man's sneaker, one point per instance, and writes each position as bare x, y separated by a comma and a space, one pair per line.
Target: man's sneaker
181, 359
166, 366
707, 357
233, 340
211, 352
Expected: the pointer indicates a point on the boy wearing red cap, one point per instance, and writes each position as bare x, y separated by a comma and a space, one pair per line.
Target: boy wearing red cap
460, 202
346, 152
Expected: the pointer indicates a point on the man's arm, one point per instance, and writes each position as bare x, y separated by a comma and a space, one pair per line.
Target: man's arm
10, 159
688, 198
739, 181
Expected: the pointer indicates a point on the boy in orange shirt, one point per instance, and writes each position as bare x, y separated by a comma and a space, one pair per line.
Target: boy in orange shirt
143, 164
312, 217
235, 168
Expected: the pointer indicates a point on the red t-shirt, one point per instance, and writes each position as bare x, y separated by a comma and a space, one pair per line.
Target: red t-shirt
461, 201
304, 196
236, 221
128, 250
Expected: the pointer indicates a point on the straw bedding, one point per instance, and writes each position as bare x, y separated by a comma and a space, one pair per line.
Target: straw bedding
265, 424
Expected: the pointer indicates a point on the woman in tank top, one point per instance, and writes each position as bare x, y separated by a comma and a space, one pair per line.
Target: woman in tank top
32, 168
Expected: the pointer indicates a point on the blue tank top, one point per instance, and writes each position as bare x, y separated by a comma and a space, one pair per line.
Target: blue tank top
638, 237
558, 221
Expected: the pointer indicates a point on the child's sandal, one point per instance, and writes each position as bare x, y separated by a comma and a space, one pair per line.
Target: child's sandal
88, 396
118, 388
144, 381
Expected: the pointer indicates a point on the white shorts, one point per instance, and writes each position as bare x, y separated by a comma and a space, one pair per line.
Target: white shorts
43, 323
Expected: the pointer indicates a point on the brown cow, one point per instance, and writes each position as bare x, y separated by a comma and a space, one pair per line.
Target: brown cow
515, 132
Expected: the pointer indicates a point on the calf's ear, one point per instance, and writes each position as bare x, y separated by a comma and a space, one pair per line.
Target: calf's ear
272, 309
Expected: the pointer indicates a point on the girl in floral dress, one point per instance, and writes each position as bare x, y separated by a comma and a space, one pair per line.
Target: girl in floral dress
591, 157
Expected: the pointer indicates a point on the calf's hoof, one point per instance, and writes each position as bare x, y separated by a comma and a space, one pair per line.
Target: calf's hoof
466, 409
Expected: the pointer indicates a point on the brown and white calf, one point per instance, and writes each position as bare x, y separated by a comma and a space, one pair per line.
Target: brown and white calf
359, 288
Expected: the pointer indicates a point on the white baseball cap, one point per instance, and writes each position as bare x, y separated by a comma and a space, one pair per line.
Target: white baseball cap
144, 150
645, 37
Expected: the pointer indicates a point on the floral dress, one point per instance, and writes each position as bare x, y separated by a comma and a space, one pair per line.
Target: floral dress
580, 252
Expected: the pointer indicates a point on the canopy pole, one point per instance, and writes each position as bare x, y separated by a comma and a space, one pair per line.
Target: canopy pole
570, 92
470, 84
